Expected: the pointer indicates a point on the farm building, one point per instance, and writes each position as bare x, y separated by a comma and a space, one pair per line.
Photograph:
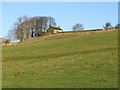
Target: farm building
53, 30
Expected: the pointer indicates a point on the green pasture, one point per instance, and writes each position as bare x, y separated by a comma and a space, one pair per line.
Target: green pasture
88, 61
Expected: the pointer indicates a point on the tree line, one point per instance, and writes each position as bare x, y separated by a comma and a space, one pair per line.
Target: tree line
26, 27
79, 27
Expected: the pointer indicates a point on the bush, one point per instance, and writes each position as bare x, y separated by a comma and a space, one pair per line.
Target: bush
6, 41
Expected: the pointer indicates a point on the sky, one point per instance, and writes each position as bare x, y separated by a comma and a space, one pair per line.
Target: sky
93, 15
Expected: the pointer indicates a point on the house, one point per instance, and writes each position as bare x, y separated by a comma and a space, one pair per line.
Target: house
53, 30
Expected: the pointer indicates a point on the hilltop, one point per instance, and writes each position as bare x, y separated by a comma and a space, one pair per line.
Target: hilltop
62, 35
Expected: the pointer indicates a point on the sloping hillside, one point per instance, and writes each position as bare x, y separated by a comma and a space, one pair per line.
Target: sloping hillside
64, 35
83, 61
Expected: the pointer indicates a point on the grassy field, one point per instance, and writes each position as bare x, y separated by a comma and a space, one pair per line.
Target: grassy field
88, 61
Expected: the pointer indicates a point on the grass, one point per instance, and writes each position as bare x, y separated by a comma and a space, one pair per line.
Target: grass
88, 61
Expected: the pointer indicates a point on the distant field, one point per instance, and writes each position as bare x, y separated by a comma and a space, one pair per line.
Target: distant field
87, 61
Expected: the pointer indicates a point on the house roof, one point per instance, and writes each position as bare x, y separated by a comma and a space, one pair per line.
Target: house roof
58, 28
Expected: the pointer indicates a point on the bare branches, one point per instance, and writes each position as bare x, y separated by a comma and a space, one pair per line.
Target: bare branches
107, 25
26, 27
78, 27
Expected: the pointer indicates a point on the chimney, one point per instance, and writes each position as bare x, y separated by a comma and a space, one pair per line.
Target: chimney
58, 26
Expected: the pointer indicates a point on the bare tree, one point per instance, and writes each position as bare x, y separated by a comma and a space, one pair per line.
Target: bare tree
26, 24
51, 21
18, 27
10, 35
78, 27
22, 28
107, 25
32, 26
26, 27
41, 24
